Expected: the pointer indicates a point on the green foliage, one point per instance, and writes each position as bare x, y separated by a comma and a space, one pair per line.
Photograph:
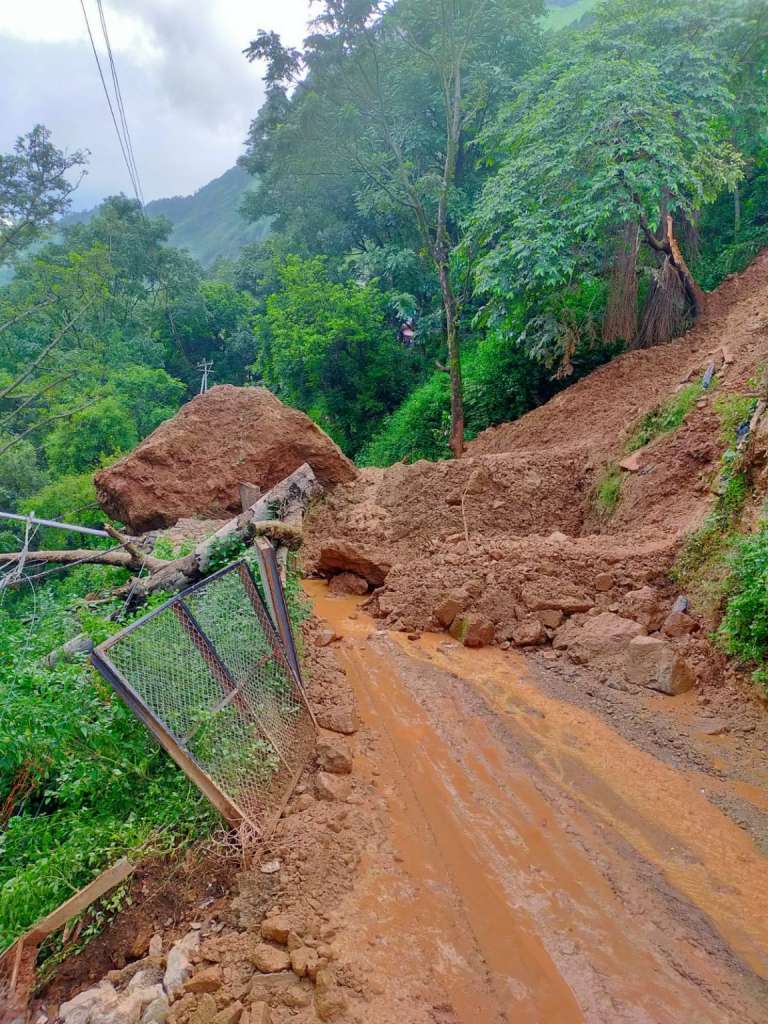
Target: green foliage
83, 779
328, 349
607, 492
666, 418
734, 411
101, 431
743, 632
500, 384
147, 394
71, 499
20, 473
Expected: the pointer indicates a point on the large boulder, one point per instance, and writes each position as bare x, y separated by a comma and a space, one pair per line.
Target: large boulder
597, 638
339, 556
653, 662
194, 463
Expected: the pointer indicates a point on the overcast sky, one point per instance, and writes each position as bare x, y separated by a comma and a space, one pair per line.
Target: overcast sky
188, 91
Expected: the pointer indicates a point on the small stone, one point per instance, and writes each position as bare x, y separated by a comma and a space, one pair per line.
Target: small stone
257, 1013
679, 624
207, 980
341, 720
205, 1010
716, 727
269, 959
333, 756
331, 787
644, 606
633, 463
529, 633
297, 997
603, 582
326, 637
348, 583
157, 1011
329, 999
653, 662
473, 630
276, 929
230, 1014
179, 963
450, 606
551, 618
156, 945
304, 962
294, 941
414, 636
271, 867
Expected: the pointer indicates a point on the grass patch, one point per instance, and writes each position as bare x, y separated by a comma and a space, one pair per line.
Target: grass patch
607, 492
743, 632
734, 411
666, 418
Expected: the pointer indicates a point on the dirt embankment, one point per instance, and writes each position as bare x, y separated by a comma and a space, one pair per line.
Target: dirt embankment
512, 530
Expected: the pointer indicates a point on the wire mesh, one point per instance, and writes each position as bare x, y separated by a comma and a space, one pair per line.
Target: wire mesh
210, 669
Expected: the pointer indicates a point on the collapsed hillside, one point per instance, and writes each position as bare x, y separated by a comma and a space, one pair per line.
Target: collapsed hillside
512, 530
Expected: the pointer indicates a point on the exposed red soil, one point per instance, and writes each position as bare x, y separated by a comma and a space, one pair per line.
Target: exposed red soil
194, 463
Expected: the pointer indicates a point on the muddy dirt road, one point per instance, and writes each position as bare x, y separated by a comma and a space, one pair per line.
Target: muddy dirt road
542, 867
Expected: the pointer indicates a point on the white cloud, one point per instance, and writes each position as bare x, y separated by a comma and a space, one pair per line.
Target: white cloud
188, 90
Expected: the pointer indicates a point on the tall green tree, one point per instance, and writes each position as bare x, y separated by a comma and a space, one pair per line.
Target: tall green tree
388, 100
622, 135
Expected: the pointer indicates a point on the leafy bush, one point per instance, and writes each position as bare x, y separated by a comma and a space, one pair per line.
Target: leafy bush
72, 499
734, 411
743, 633
666, 418
500, 384
81, 781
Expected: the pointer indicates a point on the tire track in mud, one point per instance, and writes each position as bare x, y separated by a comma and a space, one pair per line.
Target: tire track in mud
547, 869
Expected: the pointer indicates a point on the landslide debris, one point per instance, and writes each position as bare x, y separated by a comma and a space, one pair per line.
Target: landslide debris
194, 463
507, 545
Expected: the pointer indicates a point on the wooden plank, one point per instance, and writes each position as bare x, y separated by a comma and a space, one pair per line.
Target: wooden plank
226, 807
81, 900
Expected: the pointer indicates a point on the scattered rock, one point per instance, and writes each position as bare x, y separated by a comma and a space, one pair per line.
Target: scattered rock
604, 582
644, 606
230, 1014
551, 618
348, 583
297, 997
276, 929
453, 604
569, 604
530, 632
101, 998
179, 963
257, 1013
653, 662
304, 962
679, 624
333, 755
341, 720
205, 1010
194, 463
207, 980
156, 946
634, 462
271, 867
473, 630
326, 637
157, 1011
329, 999
331, 787
600, 636
269, 959
341, 556
715, 727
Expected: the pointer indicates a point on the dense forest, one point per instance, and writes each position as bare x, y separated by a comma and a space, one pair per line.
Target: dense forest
469, 205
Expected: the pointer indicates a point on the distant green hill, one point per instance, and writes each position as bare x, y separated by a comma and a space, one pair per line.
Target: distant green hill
208, 223
565, 12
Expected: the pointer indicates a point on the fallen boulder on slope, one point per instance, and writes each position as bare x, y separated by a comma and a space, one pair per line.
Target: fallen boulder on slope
194, 463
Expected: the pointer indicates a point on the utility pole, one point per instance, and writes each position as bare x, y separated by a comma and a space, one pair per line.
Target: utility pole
205, 366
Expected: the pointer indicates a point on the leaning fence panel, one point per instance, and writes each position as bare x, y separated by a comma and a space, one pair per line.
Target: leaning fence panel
209, 676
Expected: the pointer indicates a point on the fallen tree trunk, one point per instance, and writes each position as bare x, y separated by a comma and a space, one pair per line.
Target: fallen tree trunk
287, 500
123, 559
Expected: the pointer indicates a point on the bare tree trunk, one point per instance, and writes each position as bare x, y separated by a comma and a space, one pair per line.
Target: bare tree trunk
454, 363
675, 298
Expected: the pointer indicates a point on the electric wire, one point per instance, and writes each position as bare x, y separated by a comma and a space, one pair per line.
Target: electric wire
104, 86
120, 102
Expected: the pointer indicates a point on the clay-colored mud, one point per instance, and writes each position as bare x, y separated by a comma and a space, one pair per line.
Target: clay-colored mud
546, 869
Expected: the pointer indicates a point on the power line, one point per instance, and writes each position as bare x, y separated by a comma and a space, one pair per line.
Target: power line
128, 164
120, 103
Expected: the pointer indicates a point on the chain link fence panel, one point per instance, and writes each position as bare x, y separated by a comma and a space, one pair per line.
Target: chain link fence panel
208, 674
